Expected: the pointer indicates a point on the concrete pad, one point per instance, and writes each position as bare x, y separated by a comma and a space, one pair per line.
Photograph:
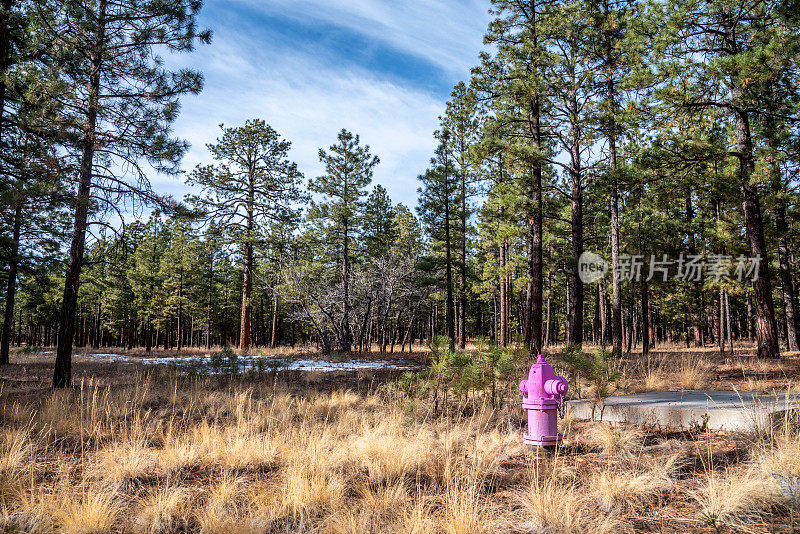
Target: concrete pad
718, 410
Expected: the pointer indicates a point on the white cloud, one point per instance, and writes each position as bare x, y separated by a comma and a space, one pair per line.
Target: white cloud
308, 101
446, 32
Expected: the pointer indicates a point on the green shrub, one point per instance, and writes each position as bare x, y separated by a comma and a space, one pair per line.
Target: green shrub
472, 373
225, 358
595, 367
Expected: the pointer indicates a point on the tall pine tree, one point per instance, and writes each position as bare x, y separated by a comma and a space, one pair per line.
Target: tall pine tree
253, 186
348, 172
119, 103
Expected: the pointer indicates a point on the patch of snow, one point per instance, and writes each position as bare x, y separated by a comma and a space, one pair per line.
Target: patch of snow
208, 365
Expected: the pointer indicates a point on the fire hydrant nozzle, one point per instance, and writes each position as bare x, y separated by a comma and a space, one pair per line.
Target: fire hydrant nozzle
543, 397
556, 386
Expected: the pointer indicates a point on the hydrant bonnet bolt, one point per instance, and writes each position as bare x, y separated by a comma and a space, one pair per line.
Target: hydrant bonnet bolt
543, 397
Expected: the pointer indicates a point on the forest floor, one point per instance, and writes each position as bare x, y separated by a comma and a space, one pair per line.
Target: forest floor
136, 448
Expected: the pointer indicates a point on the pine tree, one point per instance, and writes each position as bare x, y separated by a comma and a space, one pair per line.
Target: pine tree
348, 172
463, 122
32, 191
119, 103
501, 235
438, 205
144, 273
570, 81
616, 43
724, 56
408, 234
275, 252
175, 270
207, 252
514, 81
32, 204
254, 185
123, 322
378, 228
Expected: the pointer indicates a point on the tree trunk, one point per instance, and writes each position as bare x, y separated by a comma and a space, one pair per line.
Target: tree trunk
449, 312
787, 283
645, 318
728, 321
364, 343
721, 322
462, 290
503, 298
611, 99
274, 333
346, 341
535, 290
11, 285
180, 307
575, 312
148, 339
766, 330
62, 372
98, 324
603, 312
494, 317
546, 340
247, 282
696, 290
616, 288
210, 290
247, 308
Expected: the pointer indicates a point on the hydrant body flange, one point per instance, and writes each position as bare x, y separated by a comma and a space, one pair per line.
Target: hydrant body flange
543, 397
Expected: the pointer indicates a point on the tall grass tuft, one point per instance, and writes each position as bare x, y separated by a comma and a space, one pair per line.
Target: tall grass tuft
90, 512
730, 500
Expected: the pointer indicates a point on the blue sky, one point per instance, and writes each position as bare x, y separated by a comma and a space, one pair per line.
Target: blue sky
380, 68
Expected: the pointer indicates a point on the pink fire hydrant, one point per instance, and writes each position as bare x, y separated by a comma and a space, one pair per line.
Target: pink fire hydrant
543, 397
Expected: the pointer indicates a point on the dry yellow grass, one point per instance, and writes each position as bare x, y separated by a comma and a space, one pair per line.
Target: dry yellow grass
633, 487
736, 499
693, 373
654, 380
15, 453
123, 463
32, 513
388, 454
783, 458
163, 511
558, 507
465, 512
614, 441
307, 493
91, 512
224, 509
162, 457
